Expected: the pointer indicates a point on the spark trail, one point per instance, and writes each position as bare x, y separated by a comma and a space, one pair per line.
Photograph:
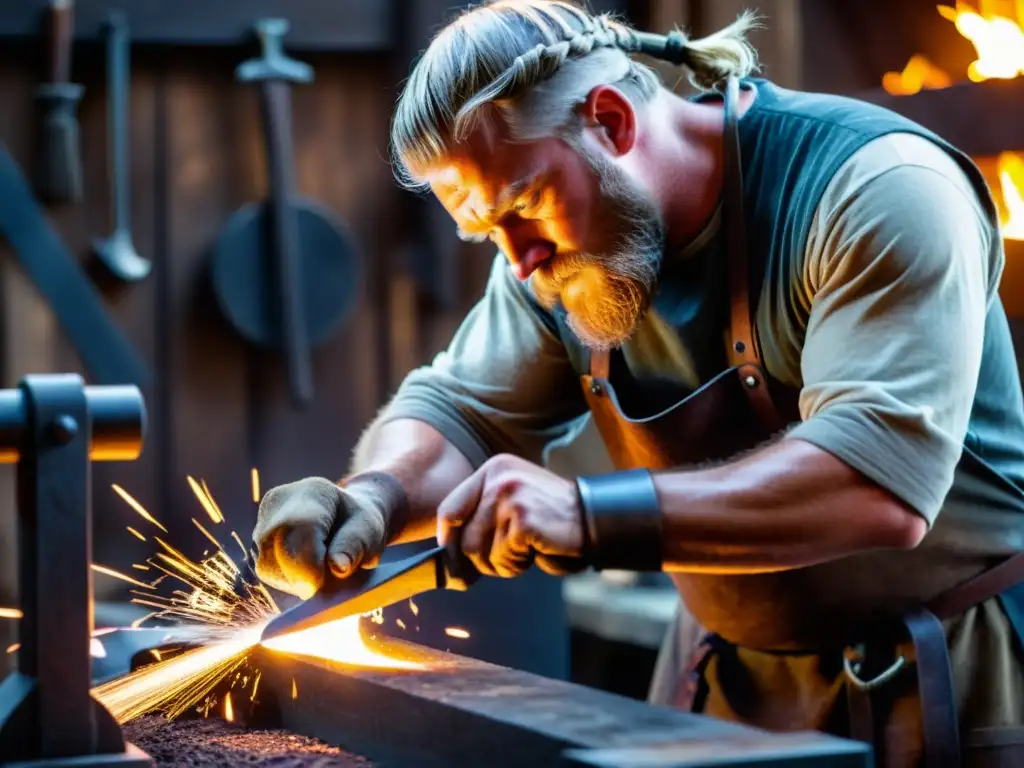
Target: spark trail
227, 624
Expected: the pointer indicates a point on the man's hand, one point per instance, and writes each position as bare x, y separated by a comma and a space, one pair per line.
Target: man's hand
293, 534
512, 512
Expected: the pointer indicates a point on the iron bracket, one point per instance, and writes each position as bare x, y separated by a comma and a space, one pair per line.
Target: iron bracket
53, 427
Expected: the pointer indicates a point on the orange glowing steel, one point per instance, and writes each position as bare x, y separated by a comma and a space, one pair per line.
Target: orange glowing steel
339, 641
10, 613
137, 507
998, 40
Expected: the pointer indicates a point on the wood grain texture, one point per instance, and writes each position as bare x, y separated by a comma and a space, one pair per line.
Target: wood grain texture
355, 25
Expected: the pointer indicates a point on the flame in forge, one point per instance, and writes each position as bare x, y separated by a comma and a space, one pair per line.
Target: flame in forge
999, 43
229, 626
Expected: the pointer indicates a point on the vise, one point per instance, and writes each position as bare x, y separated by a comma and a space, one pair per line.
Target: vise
53, 427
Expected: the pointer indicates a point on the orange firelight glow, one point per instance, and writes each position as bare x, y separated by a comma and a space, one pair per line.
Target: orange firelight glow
1011, 181
340, 641
999, 43
998, 40
229, 625
919, 74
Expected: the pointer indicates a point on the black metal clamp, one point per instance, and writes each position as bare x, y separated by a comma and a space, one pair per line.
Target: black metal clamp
53, 426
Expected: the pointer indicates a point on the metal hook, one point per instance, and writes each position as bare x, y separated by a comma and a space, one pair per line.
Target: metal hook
852, 668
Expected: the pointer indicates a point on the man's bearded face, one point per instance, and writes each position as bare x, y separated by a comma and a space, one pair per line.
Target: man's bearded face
606, 289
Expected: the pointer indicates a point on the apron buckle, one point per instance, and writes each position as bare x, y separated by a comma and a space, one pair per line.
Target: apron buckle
853, 659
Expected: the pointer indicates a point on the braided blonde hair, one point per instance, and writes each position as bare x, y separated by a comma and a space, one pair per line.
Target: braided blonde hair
533, 62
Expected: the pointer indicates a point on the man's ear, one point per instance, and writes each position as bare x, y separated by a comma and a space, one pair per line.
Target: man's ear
608, 113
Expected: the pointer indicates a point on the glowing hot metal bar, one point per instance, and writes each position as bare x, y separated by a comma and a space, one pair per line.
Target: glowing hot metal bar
367, 590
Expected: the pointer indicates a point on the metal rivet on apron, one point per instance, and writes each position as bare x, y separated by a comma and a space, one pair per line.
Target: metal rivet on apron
750, 381
595, 388
739, 346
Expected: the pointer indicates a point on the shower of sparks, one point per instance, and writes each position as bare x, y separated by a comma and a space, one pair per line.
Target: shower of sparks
118, 575
456, 632
414, 608
137, 507
202, 493
295, 690
176, 685
256, 485
10, 613
136, 534
400, 623
227, 624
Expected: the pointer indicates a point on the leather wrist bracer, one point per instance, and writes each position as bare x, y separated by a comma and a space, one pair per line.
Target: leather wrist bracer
622, 525
389, 491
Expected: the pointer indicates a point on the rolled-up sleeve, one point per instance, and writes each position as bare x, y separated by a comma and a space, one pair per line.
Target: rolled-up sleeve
505, 383
893, 344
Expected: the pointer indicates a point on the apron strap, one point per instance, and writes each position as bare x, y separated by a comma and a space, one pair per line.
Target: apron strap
937, 699
741, 349
940, 724
985, 585
743, 354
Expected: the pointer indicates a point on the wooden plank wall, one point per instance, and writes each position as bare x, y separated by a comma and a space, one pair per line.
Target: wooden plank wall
216, 406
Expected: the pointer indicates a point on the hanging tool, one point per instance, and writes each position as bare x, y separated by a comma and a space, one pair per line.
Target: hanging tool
106, 353
284, 273
372, 588
55, 426
117, 252
59, 167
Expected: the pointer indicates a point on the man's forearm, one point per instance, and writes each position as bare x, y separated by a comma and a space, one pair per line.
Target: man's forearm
786, 506
426, 464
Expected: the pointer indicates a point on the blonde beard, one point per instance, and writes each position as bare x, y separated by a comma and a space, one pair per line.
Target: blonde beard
603, 308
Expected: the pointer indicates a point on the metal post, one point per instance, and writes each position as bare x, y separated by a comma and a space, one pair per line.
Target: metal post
53, 426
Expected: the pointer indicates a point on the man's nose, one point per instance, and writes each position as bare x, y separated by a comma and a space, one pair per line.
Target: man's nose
524, 257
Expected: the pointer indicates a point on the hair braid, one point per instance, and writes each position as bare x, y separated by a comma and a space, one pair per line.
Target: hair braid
545, 59
535, 61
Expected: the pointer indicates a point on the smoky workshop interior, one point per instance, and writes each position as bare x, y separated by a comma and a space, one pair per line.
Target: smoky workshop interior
608, 383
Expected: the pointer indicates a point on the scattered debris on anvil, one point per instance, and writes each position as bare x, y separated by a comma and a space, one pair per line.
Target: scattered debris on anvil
193, 742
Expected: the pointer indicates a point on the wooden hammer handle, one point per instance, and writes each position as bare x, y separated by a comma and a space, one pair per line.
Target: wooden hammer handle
59, 34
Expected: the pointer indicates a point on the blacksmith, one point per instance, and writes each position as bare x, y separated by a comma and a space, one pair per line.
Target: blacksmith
780, 309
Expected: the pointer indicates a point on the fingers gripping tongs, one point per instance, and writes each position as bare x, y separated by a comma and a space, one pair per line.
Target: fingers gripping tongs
369, 589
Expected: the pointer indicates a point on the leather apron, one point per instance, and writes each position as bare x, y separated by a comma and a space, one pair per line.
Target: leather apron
739, 410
